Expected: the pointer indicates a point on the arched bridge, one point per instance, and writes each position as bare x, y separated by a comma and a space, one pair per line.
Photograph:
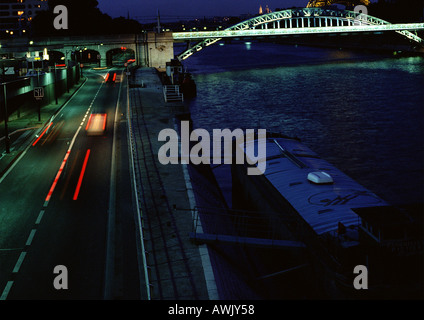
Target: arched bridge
101, 44
298, 21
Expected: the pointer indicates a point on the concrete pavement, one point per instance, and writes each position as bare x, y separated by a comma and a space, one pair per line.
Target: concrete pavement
178, 269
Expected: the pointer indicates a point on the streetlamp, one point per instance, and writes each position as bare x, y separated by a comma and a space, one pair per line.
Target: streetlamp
6, 117
55, 83
67, 71
38, 101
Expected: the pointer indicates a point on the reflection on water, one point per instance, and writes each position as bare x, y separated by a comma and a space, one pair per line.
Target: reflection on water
364, 113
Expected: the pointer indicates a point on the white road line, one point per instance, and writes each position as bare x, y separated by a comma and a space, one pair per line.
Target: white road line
110, 245
31, 237
40, 216
19, 262
6, 290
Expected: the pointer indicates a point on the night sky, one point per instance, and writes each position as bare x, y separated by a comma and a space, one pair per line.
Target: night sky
190, 8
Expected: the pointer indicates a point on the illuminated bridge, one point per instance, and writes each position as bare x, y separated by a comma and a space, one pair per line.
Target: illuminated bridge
297, 22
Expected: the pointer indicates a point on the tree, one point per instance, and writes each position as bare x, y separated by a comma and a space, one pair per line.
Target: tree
398, 11
84, 18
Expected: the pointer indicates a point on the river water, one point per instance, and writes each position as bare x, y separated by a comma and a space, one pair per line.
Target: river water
362, 112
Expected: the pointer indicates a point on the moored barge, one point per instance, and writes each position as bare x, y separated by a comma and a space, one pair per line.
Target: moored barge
342, 223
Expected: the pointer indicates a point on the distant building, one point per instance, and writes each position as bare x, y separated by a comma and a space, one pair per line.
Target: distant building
348, 3
16, 16
267, 10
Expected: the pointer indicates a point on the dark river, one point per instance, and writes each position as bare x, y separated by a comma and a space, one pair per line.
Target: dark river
362, 112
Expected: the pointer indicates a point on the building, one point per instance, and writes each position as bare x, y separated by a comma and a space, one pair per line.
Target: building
347, 3
267, 10
16, 16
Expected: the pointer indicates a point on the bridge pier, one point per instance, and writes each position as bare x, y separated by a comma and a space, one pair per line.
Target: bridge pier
103, 61
160, 49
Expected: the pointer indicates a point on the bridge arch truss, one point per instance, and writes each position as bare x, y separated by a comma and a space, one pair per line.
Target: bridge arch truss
301, 18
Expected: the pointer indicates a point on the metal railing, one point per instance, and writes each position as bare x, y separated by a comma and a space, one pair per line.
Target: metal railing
291, 31
171, 93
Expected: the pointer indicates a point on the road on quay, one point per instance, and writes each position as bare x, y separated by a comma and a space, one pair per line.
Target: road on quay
66, 218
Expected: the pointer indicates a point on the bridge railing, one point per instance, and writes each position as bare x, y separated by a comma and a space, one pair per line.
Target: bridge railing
294, 30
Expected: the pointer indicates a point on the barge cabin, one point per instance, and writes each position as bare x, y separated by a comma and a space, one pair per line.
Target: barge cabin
340, 221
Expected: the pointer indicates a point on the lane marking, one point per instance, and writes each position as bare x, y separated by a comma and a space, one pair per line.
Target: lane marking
6, 290
19, 262
110, 244
31, 237
84, 166
40, 216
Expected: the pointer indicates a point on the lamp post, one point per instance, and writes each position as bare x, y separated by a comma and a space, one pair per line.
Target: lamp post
55, 83
67, 70
6, 117
38, 101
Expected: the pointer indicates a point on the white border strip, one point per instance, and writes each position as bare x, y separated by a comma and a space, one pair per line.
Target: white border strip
203, 249
134, 182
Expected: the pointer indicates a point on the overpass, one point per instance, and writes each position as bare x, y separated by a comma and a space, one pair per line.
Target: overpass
299, 21
150, 48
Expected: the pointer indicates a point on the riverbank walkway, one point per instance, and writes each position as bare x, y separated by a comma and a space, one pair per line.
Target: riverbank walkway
177, 268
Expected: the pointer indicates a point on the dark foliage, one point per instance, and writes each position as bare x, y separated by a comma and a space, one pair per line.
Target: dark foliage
400, 11
84, 18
